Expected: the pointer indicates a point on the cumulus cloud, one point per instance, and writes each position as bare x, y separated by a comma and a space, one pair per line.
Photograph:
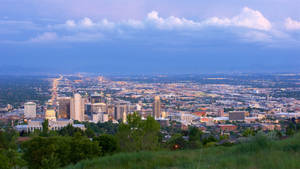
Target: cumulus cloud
70, 23
252, 19
248, 25
87, 23
248, 18
291, 24
170, 22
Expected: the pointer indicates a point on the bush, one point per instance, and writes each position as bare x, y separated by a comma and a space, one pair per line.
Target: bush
255, 144
177, 142
108, 143
55, 152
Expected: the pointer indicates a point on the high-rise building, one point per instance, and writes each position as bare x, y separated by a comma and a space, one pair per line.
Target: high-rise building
156, 107
77, 107
98, 107
121, 109
97, 98
30, 110
111, 111
63, 108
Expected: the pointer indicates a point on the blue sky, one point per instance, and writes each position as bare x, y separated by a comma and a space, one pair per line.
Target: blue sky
157, 36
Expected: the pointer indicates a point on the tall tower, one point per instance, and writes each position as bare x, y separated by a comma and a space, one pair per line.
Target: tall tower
77, 107
121, 110
63, 108
156, 107
30, 110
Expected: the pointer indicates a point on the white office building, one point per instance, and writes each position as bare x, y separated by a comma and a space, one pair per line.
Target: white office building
30, 110
77, 108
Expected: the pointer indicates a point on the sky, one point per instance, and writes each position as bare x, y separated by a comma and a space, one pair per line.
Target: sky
153, 36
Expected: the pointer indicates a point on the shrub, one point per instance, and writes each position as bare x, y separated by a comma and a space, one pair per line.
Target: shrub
54, 152
255, 144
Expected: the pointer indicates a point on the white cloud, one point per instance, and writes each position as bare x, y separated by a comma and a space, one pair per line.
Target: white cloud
256, 36
106, 24
82, 37
70, 23
133, 23
77, 37
291, 24
248, 18
252, 19
248, 25
86, 22
171, 22
47, 36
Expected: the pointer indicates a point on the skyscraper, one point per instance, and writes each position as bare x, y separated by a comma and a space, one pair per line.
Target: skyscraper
98, 107
156, 107
97, 98
77, 107
63, 108
30, 110
121, 110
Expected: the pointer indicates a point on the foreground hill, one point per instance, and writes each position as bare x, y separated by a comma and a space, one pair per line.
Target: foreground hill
259, 153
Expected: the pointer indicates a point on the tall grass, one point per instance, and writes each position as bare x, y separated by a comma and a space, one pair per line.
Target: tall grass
260, 152
255, 144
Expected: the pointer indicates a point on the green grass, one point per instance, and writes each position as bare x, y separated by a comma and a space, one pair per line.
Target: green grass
259, 153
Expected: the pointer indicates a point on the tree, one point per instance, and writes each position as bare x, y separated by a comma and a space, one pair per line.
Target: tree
195, 137
9, 157
89, 133
55, 152
150, 130
4, 161
194, 134
108, 143
248, 132
209, 139
69, 130
138, 134
177, 142
45, 130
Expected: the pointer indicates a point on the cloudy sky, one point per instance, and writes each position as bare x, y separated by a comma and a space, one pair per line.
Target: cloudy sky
154, 36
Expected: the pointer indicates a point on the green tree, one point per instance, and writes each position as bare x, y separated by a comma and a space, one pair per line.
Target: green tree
195, 137
248, 132
108, 143
4, 161
9, 157
89, 133
177, 142
138, 134
55, 152
150, 133
45, 130
209, 139
69, 130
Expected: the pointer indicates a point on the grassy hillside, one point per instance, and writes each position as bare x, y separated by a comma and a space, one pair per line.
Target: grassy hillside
259, 153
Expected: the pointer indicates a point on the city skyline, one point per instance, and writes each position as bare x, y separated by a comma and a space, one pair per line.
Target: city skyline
149, 84
150, 37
